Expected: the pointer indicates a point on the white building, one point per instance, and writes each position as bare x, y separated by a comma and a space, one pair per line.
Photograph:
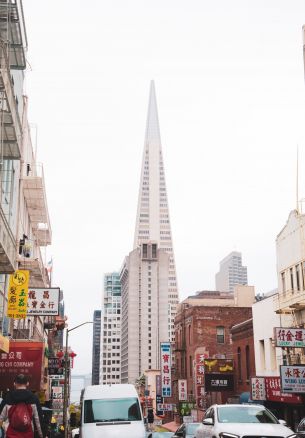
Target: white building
231, 273
149, 273
110, 359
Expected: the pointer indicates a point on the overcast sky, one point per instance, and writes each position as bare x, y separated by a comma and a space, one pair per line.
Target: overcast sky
230, 90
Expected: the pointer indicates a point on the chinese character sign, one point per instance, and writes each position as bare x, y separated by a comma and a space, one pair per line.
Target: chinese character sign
274, 392
293, 378
43, 302
18, 294
258, 388
182, 390
289, 337
166, 369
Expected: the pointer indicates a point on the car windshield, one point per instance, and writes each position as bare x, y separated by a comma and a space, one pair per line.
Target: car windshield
191, 428
245, 414
106, 411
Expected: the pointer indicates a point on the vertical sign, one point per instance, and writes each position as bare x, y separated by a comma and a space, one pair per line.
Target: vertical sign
18, 294
258, 388
166, 369
182, 390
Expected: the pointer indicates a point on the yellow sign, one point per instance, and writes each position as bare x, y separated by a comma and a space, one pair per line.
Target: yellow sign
18, 294
4, 344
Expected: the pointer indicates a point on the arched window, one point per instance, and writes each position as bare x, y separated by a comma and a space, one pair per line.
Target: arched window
239, 364
247, 362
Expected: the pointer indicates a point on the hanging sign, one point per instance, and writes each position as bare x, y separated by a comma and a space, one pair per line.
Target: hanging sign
43, 302
18, 294
182, 390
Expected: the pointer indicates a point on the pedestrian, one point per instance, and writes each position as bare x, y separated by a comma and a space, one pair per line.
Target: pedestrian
150, 419
22, 410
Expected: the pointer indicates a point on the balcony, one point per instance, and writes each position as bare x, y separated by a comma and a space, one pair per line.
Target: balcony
10, 125
38, 274
35, 197
7, 247
12, 30
289, 301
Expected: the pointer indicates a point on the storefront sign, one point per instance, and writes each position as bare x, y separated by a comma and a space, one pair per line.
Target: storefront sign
159, 400
200, 391
158, 385
166, 407
23, 357
274, 392
258, 388
166, 370
43, 302
4, 344
220, 366
57, 392
182, 390
185, 408
293, 378
219, 382
55, 366
289, 337
200, 358
18, 294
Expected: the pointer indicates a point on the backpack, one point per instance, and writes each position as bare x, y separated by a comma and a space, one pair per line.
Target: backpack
20, 417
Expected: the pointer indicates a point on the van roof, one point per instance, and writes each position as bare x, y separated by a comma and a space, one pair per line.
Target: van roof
110, 391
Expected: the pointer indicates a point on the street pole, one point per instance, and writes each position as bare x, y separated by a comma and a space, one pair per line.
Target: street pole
66, 377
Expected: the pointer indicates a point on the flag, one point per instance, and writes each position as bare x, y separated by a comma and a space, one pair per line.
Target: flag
50, 265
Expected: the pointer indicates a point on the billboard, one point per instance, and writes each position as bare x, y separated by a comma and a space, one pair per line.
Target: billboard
23, 357
166, 381
43, 302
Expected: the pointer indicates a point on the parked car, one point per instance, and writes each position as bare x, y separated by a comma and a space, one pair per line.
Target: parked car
242, 421
301, 429
186, 430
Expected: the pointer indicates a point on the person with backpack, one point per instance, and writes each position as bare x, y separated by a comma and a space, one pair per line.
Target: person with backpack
22, 410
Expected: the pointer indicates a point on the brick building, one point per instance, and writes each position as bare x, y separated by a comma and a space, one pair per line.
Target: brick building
205, 331
243, 353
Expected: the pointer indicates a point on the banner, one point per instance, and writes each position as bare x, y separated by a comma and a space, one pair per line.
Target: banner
23, 357
43, 302
166, 370
18, 294
182, 390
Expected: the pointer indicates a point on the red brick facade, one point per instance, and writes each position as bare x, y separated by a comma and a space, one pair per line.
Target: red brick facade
243, 351
204, 330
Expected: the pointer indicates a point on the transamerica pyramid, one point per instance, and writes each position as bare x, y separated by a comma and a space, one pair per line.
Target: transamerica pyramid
153, 220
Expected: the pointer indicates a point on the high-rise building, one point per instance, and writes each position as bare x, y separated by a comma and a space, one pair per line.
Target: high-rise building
231, 273
110, 358
148, 275
96, 347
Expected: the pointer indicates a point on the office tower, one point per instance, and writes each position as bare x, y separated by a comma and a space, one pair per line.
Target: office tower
231, 272
96, 347
110, 363
148, 275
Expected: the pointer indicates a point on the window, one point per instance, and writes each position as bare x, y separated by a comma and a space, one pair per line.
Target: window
189, 329
291, 279
262, 354
297, 274
191, 366
239, 364
220, 335
145, 250
283, 282
154, 251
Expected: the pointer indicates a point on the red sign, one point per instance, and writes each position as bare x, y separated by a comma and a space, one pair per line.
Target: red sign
200, 357
274, 393
24, 357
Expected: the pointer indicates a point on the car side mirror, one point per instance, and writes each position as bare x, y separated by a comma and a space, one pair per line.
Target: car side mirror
283, 422
208, 421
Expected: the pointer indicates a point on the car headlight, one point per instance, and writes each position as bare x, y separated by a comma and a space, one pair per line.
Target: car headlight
294, 435
227, 435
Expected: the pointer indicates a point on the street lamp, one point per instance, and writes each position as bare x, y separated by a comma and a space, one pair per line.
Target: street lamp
67, 364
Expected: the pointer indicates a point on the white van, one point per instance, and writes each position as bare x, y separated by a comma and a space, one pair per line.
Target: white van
111, 411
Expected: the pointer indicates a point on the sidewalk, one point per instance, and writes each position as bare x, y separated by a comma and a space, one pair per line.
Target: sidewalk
172, 426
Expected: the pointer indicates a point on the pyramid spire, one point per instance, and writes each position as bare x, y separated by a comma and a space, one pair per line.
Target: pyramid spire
153, 221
